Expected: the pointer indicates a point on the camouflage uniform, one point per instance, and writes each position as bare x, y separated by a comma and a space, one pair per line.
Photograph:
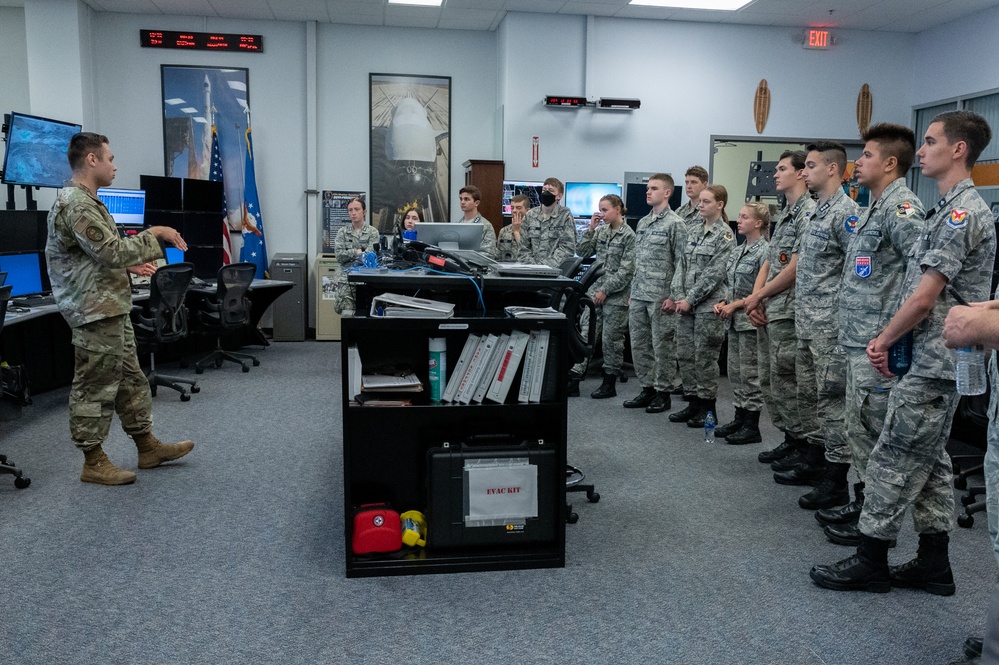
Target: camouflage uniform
345, 246
690, 214
659, 245
778, 341
547, 239
992, 457
86, 263
872, 278
909, 465
743, 354
820, 365
507, 247
699, 335
488, 244
616, 247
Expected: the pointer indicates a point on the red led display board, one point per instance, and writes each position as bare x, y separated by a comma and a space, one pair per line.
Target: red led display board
201, 41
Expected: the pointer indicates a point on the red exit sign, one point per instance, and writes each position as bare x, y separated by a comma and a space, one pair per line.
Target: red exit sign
818, 39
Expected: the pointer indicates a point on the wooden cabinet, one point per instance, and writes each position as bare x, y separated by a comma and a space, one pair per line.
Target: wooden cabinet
487, 175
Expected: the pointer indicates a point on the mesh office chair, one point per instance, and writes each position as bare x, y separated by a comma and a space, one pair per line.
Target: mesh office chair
164, 321
7, 466
227, 312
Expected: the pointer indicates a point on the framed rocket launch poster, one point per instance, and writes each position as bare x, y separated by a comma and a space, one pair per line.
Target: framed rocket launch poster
410, 148
192, 98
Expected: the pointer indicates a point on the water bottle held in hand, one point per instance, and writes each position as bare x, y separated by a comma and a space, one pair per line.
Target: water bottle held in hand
970, 370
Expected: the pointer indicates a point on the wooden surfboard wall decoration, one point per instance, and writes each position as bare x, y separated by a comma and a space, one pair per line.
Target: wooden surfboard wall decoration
761, 106
865, 106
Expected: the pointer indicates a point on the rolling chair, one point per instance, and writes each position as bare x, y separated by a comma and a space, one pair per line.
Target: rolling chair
972, 421
581, 342
163, 321
227, 312
7, 466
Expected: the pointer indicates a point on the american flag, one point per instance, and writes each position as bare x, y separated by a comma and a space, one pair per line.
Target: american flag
215, 175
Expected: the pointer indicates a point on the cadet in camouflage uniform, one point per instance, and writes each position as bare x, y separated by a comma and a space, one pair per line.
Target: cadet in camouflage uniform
909, 466
660, 242
699, 331
548, 235
743, 348
771, 308
508, 241
469, 197
821, 363
694, 180
87, 263
350, 243
963, 328
613, 242
872, 279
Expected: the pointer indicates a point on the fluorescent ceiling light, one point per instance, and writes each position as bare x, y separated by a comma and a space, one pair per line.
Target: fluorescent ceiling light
725, 5
189, 109
173, 101
419, 3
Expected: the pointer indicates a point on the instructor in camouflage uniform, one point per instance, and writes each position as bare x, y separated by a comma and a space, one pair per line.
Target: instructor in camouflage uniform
613, 242
659, 245
909, 466
871, 289
87, 263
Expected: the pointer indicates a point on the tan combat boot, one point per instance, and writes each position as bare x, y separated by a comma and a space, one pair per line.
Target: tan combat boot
153, 452
97, 468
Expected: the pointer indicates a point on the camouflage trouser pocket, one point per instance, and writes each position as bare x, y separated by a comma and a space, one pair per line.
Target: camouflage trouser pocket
343, 297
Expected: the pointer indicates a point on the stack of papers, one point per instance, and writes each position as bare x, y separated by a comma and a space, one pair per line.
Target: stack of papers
534, 313
390, 383
399, 306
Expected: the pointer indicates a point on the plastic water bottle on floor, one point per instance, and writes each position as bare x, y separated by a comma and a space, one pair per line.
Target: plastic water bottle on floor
970, 370
709, 427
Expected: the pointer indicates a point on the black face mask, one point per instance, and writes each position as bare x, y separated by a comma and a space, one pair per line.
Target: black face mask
547, 199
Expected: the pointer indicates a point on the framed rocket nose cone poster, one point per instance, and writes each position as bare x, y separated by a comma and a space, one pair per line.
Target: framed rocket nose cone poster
410, 148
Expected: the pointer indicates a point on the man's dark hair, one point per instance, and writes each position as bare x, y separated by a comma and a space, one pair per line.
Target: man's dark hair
83, 144
969, 127
797, 158
893, 140
698, 172
832, 152
665, 178
471, 190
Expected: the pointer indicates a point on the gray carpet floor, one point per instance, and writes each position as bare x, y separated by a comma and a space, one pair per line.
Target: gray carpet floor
235, 553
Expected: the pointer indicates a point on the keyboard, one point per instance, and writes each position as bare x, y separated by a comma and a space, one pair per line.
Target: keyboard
33, 301
202, 284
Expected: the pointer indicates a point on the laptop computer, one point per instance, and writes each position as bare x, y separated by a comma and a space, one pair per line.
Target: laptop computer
505, 268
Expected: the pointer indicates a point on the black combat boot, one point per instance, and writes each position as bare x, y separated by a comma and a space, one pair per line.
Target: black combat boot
688, 412
572, 388
833, 490
749, 432
787, 446
697, 420
808, 472
659, 403
607, 388
847, 534
867, 570
678, 390
731, 427
843, 514
643, 400
930, 570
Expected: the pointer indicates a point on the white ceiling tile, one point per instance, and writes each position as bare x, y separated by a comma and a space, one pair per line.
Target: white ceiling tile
589, 9
315, 14
343, 10
412, 17
654, 13
542, 6
136, 6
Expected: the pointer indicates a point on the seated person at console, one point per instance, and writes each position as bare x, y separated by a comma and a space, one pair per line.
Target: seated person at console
350, 243
508, 242
469, 198
407, 225
548, 235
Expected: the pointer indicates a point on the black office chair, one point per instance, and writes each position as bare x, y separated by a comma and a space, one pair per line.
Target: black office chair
7, 466
227, 312
971, 423
163, 320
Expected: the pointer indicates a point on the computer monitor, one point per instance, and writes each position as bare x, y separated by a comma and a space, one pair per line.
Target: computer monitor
24, 273
127, 207
36, 151
512, 188
583, 198
450, 236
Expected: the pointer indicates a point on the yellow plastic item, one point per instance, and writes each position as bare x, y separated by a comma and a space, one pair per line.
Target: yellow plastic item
414, 528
